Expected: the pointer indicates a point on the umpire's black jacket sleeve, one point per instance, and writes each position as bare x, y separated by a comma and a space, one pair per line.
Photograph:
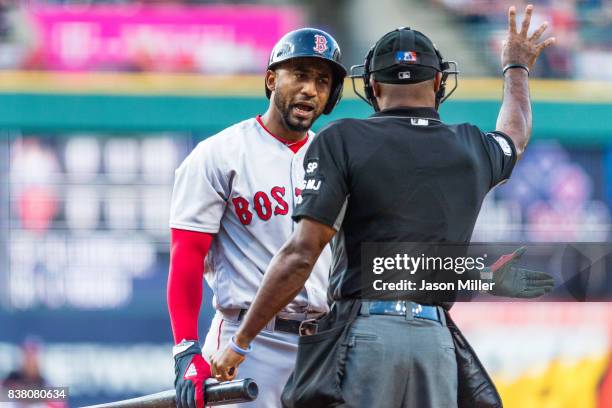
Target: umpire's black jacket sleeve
325, 188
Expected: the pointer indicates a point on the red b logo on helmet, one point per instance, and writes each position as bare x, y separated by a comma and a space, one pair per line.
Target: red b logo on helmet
320, 43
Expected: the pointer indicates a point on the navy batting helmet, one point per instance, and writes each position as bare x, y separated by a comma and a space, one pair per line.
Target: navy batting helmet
311, 43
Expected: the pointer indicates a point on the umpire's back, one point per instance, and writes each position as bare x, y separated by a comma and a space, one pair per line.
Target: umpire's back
434, 176
400, 175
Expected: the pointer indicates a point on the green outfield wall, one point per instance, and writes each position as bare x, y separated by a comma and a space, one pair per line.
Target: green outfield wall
571, 112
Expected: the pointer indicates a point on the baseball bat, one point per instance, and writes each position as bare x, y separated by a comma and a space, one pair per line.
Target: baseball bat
229, 392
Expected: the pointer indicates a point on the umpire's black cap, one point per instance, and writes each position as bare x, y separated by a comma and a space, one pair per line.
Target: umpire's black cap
404, 56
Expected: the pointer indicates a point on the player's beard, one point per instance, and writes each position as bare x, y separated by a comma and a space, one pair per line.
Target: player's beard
291, 122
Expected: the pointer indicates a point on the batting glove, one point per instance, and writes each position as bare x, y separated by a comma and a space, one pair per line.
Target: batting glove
514, 282
191, 372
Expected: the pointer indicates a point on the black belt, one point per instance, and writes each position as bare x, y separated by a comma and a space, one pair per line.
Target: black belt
280, 324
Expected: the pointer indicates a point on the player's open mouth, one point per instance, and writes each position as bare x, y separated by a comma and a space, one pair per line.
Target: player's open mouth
303, 109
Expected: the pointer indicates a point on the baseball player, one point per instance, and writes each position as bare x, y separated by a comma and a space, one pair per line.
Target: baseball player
232, 204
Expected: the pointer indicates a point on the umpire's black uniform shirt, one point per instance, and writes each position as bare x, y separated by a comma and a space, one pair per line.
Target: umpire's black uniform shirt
400, 175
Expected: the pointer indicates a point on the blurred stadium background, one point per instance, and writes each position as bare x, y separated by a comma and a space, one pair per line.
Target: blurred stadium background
101, 100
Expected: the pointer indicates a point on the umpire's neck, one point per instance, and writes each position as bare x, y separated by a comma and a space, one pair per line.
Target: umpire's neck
422, 94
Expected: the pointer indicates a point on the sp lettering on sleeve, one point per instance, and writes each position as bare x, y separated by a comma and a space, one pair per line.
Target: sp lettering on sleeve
312, 165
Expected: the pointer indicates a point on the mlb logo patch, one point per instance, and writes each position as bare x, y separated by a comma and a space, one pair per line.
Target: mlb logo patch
406, 56
503, 143
404, 75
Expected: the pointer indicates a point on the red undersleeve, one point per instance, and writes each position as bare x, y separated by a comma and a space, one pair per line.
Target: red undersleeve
187, 252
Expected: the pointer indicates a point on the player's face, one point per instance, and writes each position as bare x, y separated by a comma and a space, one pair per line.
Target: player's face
302, 88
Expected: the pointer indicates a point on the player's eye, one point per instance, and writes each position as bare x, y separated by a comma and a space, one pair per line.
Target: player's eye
323, 80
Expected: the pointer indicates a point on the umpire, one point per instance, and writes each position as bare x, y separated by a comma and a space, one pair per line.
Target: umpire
400, 175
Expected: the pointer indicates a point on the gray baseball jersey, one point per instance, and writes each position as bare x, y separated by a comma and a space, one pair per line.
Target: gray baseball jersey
242, 184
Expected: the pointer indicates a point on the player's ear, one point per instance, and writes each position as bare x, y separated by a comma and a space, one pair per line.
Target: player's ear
271, 80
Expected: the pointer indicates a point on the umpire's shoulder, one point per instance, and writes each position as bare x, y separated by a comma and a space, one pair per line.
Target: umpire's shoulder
464, 128
466, 131
474, 131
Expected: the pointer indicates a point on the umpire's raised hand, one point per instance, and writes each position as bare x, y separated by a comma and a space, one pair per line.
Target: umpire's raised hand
520, 49
519, 53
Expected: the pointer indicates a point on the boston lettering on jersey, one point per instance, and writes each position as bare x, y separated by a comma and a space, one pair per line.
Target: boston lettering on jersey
262, 205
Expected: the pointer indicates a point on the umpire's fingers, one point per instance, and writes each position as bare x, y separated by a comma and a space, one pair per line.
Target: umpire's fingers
537, 285
226, 374
538, 276
548, 286
220, 373
538, 33
545, 44
533, 293
519, 252
512, 20
526, 20
215, 371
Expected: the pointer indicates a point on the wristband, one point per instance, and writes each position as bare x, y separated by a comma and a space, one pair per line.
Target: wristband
510, 66
184, 345
238, 349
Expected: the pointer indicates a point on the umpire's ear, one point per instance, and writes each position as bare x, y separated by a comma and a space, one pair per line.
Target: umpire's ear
271, 80
437, 81
375, 87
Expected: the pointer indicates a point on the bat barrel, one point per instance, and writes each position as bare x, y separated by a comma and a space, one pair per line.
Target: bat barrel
229, 392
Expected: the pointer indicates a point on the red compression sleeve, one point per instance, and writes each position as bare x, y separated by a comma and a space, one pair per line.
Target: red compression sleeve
187, 252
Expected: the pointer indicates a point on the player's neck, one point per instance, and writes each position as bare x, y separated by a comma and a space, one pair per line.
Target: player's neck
274, 125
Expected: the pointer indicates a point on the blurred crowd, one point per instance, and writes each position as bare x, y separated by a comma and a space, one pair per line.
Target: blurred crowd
583, 29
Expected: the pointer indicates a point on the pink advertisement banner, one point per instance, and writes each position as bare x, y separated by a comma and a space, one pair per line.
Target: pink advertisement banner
209, 39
